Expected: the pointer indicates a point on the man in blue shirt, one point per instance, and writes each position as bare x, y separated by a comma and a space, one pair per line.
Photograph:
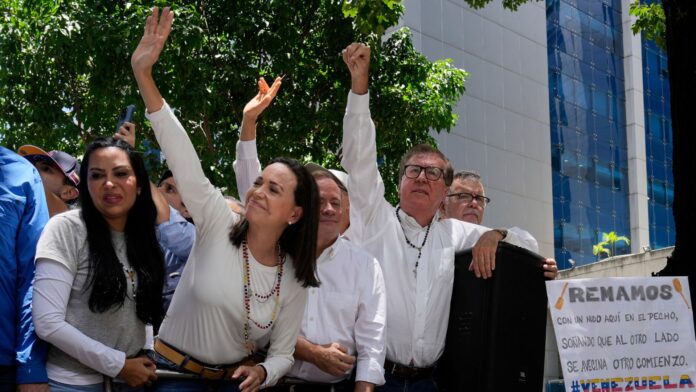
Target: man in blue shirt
23, 213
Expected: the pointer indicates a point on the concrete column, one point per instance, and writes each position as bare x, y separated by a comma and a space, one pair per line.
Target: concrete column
635, 132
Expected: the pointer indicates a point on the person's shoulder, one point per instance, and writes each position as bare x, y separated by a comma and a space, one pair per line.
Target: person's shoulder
358, 255
71, 219
16, 172
460, 225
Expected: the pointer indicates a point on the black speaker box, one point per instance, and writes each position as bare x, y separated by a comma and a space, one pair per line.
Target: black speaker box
497, 326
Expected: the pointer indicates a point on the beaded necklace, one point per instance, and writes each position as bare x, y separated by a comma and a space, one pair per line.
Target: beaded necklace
409, 243
130, 275
249, 293
129, 271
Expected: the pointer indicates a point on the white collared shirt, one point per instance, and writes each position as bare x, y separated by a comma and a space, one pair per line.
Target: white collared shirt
348, 308
419, 302
350, 305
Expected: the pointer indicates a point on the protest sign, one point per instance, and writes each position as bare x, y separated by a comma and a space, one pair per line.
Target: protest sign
624, 334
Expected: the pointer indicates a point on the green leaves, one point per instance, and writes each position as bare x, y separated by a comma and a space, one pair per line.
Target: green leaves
611, 240
512, 5
65, 74
373, 16
599, 249
650, 20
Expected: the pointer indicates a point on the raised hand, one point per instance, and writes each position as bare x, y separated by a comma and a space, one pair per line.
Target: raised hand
156, 32
357, 58
126, 133
263, 99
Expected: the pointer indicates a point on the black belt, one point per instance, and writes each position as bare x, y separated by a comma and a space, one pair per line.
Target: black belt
407, 372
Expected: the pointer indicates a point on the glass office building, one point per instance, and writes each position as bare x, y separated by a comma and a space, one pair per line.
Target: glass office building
658, 145
588, 122
551, 101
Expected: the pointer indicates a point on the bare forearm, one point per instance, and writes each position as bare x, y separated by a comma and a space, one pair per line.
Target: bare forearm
148, 90
304, 350
248, 129
364, 386
359, 85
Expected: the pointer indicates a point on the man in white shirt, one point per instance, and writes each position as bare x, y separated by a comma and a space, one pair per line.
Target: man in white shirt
344, 320
345, 317
467, 201
414, 246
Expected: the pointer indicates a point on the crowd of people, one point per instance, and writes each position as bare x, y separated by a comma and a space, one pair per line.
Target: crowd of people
313, 281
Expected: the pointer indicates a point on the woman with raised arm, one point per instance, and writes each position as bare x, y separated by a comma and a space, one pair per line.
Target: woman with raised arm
99, 276
243, 286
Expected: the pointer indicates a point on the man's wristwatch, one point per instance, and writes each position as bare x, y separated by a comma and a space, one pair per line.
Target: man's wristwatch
502, 232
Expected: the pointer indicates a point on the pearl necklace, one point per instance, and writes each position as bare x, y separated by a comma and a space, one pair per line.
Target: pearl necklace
409, 243
248, 294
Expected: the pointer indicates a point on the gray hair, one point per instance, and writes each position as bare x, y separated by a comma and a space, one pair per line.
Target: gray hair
467, 175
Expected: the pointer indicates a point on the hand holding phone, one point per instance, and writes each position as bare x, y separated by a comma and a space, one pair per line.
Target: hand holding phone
125, 116
126, 129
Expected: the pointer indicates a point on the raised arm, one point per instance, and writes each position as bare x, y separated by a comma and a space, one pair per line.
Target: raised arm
359, 146
205, 203
256, 106
246, 164
147, 53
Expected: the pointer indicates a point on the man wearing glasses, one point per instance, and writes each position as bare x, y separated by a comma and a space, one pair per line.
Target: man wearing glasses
414, 246
467, 201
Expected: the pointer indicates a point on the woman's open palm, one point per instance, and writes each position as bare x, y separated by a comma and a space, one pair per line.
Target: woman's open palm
263, 99
156, 32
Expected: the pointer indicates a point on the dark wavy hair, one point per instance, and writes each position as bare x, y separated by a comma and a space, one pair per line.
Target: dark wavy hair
299, 240
106, 276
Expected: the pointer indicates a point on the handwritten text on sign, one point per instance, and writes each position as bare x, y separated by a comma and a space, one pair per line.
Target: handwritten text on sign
624, 334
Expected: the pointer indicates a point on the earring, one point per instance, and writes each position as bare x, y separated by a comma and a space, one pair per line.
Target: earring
289, 222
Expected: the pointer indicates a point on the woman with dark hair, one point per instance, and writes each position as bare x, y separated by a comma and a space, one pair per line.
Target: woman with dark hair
243, 285
99, 276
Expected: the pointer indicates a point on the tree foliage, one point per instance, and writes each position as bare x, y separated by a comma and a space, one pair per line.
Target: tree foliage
65, 74
650, 21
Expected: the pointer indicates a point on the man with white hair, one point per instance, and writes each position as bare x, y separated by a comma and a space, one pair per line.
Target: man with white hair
467, 201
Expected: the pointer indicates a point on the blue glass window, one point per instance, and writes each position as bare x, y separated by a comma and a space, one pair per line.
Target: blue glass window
589, 158
658, 145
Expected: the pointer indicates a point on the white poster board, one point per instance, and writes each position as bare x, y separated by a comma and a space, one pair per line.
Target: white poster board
624, 334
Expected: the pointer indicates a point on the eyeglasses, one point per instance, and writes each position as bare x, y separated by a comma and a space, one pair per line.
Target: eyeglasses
466, 197
432, 173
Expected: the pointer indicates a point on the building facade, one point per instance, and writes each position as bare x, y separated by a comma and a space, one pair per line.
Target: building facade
566, 117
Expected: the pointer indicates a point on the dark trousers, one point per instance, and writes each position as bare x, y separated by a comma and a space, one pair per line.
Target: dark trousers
342, 386
398, 384
8, 377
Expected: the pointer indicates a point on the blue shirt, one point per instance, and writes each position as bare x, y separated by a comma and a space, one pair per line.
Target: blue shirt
176, 238
23, 214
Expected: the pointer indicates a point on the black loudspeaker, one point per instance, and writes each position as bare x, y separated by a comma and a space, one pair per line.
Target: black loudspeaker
497, 327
